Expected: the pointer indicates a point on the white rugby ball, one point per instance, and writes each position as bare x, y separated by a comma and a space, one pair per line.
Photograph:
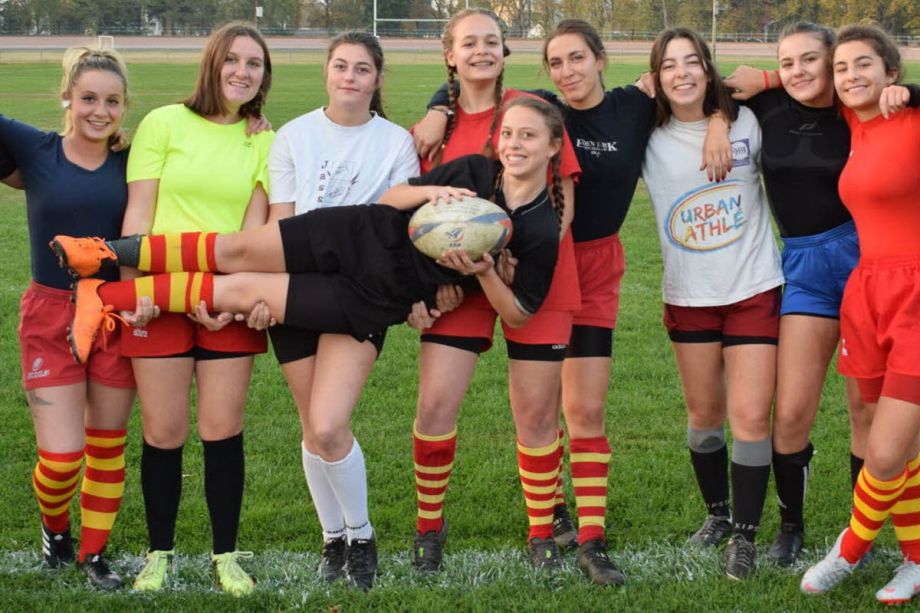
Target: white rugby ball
473, 224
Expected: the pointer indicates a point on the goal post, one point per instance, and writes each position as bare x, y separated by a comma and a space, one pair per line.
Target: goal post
105, 42
407, 19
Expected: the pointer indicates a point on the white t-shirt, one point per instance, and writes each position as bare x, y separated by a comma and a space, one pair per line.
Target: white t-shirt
716, 239
317, 163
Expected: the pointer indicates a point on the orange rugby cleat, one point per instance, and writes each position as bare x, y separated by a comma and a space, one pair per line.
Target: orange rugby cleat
83, 257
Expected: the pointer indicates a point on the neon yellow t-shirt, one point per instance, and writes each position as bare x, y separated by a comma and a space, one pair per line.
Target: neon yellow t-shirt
207, 171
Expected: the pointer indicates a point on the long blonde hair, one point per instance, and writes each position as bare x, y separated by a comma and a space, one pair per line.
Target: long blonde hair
78, 60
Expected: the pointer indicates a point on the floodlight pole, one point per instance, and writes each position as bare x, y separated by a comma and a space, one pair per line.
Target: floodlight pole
375, 19
715, 15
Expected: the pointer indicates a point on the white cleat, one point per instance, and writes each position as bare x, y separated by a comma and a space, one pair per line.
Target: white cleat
826, 574
903, 586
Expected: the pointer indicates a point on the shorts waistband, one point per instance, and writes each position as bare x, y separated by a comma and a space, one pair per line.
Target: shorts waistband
598, 242
894, 261
813, 240
48, 292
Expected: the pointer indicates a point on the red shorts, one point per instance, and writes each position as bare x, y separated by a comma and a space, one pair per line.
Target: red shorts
601, 264
752, 321
175, 334
564, 294
880, 326
475, 318
44, 315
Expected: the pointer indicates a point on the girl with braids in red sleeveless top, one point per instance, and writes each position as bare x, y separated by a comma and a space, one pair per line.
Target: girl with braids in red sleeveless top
474, 52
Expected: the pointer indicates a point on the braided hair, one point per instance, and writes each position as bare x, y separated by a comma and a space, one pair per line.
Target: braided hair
554, 122
447, 41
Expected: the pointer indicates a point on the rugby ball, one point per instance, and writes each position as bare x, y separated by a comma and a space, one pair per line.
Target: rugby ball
473, 224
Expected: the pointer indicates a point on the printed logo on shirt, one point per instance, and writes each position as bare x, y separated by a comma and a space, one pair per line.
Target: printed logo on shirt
37, 371
139, 332
741, 152
708, 218
334, 182
807, 129
596, 148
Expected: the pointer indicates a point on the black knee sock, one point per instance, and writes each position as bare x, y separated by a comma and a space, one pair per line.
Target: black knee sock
161, 483
749, 489
224, 470
791, 473
711, 471
856, 464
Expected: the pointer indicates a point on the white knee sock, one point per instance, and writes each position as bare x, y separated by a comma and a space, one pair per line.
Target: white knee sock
348, 480
327, 505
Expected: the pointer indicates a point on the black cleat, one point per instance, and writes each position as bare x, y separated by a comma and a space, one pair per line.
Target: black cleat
739, 558
428, 550
332, 559
99, 573
713, 531
786, 546
597, 565
57, 548
564, 532
544, 554
361, 562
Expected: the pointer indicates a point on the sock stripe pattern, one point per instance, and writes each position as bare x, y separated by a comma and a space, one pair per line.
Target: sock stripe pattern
873, 500
178, 252
560, 486
178, 292
434, 461
55, 482
103, 488
539, 470
590, 460
905, 515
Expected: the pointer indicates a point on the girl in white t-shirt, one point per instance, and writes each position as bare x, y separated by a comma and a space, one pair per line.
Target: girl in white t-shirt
343, 153
721, 288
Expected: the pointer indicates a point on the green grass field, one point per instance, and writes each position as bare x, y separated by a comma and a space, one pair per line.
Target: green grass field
654, 503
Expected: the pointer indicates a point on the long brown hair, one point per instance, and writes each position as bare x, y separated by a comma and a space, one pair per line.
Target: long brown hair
554, 122
717, 97
207, 99
447, 41
372, 45
78, 60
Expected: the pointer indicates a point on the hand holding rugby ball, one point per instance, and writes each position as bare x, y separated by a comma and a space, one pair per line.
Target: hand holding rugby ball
473, 224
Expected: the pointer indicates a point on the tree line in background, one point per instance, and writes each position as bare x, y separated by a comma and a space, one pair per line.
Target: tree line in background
756, 19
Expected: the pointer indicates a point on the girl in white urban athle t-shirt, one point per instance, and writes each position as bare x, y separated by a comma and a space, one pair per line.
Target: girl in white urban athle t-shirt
721, 288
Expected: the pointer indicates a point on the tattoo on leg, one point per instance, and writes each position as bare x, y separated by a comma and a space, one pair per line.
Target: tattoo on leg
37, 401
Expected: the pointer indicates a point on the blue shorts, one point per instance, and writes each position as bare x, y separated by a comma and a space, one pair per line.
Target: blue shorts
816, 268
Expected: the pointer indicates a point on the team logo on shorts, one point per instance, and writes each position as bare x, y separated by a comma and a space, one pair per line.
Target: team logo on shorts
708, 218
37, 371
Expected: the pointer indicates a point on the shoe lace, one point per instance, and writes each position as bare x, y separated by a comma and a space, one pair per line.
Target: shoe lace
334, 550
228, 566
744, 552
711, 526
359, 555
109, 317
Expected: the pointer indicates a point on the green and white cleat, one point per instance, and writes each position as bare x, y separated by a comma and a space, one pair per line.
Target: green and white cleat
153, 575
229, 574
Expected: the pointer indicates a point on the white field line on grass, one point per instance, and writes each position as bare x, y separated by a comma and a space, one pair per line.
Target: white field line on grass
295, 573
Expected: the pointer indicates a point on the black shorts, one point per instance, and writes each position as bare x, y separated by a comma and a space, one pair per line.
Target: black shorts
291, 344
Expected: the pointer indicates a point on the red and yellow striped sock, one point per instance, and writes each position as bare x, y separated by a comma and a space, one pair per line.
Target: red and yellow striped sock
55, 482
434, 461
905, 514
177, 292
560, 489
103, 487
872, 503
179, 252
590, 458
539, 470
